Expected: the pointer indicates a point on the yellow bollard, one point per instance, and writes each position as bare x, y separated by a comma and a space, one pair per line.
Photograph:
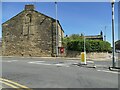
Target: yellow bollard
83, 58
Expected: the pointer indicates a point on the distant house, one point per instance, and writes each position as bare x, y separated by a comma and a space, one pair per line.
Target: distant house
95, 37
31, 33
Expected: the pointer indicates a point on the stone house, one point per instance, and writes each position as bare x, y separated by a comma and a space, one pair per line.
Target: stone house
94, 37
31, 33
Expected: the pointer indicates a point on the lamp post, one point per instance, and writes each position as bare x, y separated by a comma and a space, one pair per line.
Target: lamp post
56, 29
84, 44
105, 34
83, 54
113, 43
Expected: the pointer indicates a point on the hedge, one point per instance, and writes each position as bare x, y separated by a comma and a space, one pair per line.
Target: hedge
91, 46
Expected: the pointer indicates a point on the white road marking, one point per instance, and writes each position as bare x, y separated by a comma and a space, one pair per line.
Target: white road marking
108, 71
43, 63
72, 60
79, 61
90, 61
9, 61
101, 66
61, 65
37, 62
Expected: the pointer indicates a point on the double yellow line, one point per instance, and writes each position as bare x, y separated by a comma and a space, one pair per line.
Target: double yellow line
12, 84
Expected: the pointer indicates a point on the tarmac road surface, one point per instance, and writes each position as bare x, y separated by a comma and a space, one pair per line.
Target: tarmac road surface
52, 73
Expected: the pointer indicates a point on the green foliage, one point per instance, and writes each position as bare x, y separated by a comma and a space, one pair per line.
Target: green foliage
91, 46
75, 42
72, 37
75, 37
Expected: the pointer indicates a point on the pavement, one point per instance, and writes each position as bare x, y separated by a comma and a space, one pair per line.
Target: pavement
56, 73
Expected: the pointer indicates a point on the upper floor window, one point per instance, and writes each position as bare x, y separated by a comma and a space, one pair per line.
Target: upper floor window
28, 18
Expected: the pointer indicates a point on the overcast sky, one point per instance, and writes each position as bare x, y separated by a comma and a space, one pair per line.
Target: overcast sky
79, 17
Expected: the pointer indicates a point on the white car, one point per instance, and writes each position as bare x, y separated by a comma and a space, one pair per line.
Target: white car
117, 51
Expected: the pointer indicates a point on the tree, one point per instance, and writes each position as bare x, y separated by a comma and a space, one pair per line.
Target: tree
70, 38
74, 37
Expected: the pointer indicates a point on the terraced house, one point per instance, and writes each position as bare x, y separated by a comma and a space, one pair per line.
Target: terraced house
31, 33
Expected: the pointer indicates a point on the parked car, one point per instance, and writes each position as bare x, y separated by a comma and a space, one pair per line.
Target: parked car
117, 51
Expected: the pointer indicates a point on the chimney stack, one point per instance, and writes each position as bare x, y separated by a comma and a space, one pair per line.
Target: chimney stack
29, 7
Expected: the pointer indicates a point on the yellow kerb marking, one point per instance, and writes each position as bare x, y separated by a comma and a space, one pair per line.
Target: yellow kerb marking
9, 81
10, 85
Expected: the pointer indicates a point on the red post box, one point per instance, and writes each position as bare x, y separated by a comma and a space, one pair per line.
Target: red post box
61, 49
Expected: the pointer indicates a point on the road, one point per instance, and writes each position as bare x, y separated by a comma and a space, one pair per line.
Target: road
57, 73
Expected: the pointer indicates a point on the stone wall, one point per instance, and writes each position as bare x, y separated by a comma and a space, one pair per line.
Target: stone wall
96, 55
92, 55
29, 33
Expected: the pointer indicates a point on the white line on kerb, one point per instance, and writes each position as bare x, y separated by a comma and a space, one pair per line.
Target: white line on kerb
108, 71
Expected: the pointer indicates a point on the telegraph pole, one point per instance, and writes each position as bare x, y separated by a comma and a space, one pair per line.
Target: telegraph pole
113, 43
56, 29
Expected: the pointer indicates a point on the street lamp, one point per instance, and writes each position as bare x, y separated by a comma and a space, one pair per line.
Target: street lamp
56, 29
84, 44
83, 54
105, 34
113, 43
